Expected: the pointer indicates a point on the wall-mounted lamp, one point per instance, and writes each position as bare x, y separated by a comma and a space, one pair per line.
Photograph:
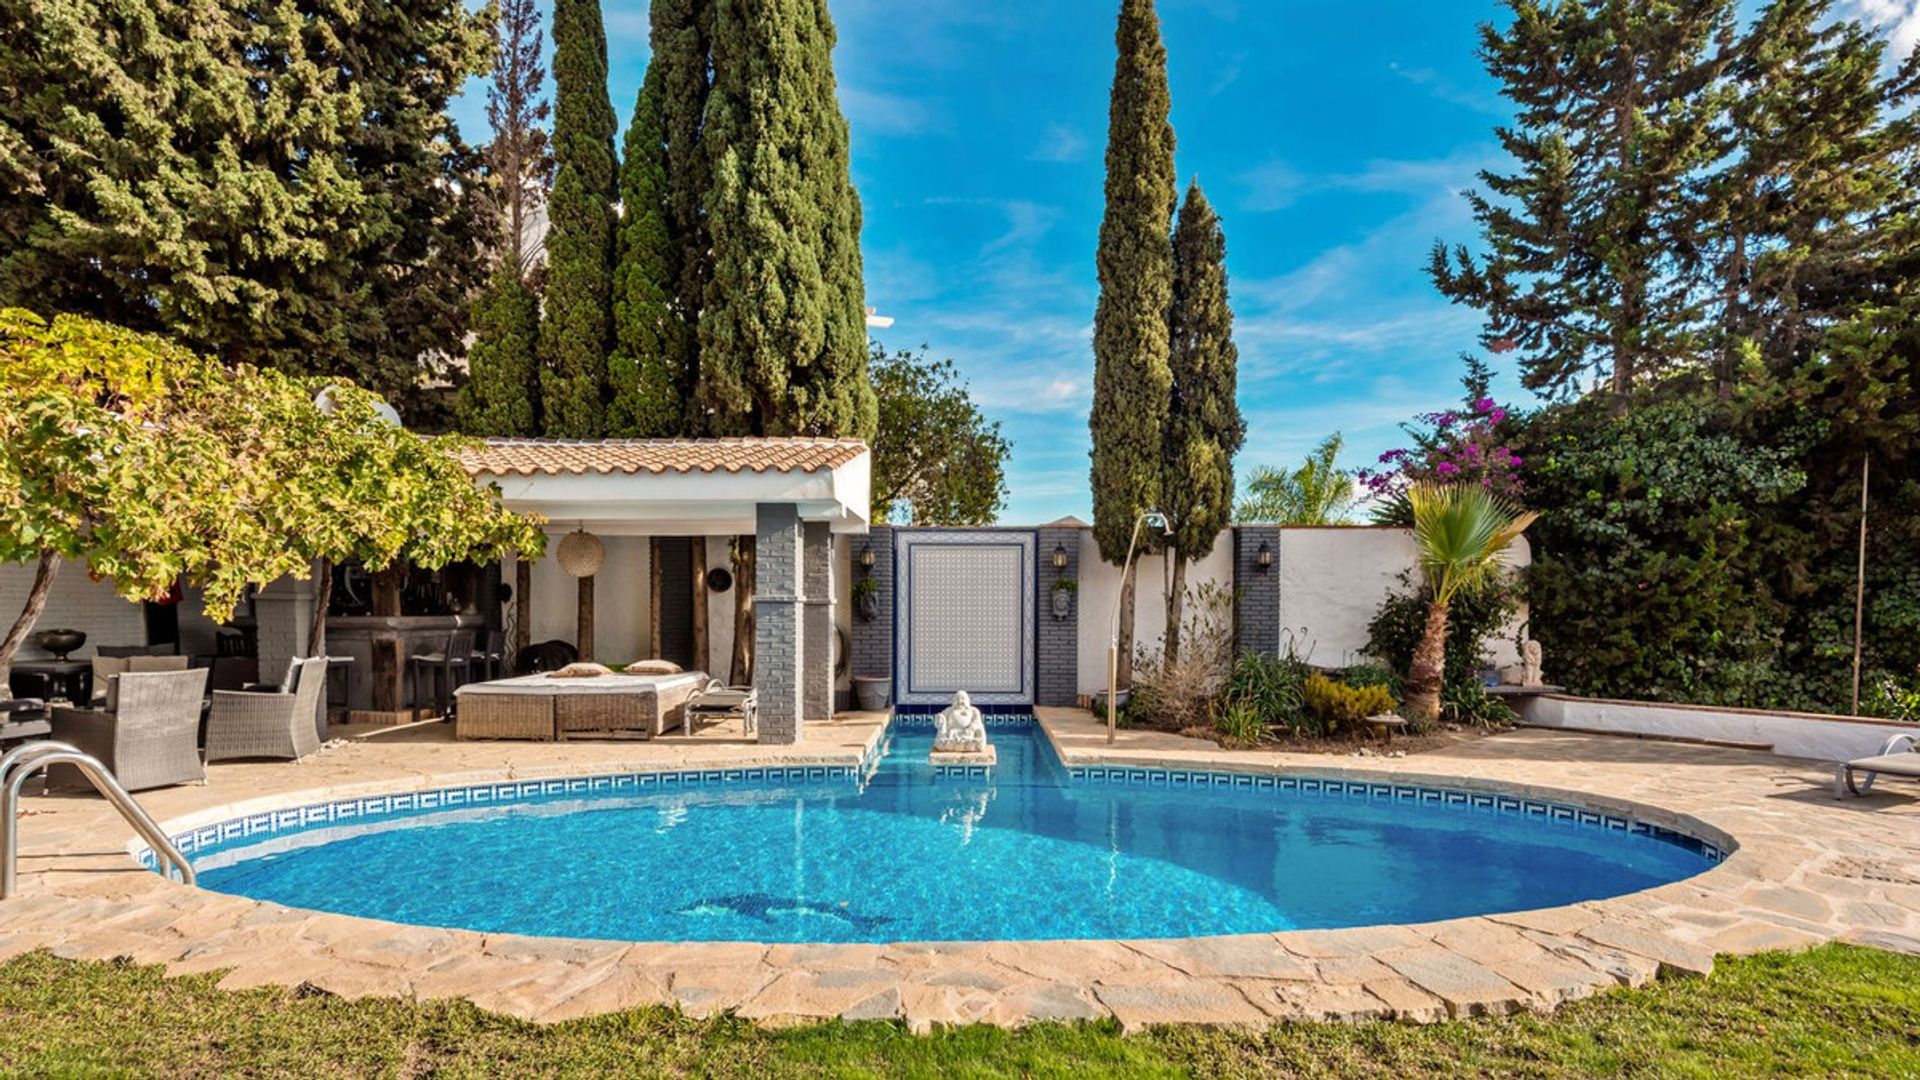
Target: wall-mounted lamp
1059, 556
866, 556
1263, 558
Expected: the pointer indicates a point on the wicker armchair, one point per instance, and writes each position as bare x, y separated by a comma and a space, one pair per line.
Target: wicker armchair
247, 724
148, 736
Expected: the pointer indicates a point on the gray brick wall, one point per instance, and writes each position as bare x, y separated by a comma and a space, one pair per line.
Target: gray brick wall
816, 621
776, 639
1057, 639
873, 638
1257, 617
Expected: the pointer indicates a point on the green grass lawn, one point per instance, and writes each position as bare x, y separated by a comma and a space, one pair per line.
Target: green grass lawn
1833, 1011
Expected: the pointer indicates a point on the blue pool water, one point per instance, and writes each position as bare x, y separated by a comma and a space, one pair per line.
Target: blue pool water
906, 855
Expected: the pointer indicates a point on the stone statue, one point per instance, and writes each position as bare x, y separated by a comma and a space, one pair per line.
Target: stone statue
1530, 663
959, 728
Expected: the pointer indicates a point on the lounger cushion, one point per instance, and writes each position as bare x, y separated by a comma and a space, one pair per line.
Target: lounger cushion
580, 670
652, 667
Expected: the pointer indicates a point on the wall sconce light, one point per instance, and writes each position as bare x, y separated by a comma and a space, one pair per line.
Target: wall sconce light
1263, 558
1059, 556
866, 556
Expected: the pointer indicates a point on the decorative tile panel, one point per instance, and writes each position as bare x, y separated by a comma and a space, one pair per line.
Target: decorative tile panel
964, 616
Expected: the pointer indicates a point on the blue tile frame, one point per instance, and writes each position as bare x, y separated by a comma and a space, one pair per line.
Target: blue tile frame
904, 541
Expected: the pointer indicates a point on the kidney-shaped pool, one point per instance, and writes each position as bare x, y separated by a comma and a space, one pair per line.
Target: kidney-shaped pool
895, 852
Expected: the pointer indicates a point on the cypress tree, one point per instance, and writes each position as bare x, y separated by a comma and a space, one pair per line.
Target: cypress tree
503, 372
681, 35
578, 327
502, 393
1590, 257
1204, 428
644, 372
1131, 379
783, 346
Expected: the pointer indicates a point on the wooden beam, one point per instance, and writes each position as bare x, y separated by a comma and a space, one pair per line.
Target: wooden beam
583, 633
654, 549
701, 660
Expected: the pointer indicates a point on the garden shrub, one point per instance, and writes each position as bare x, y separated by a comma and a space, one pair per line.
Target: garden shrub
1238, 721
1338, 708
1180, 695
1472, 621
1269, 685
1469, 703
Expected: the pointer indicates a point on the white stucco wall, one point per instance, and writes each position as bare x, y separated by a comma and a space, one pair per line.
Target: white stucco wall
1798, 735
1333, 580
620, 599
1100, 590
74, 603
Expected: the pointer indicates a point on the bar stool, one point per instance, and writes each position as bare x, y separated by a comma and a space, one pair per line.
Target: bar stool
453, 661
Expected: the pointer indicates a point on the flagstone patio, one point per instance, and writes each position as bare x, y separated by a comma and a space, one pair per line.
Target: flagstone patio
1804, 869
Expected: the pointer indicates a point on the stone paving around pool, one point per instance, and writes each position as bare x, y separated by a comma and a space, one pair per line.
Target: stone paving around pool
1803, 869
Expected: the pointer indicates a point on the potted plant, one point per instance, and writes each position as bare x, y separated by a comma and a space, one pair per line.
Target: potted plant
866, 599
870, 692
1063, 591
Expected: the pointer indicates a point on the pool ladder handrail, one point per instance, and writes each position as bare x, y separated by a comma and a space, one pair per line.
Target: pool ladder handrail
24, 761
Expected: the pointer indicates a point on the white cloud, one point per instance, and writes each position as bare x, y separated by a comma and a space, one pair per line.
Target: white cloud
1901, 18
883, 113
1229, 74
1059, 144
1445, 89
1276, 185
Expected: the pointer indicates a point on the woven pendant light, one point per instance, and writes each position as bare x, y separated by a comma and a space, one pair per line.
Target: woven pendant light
581, 553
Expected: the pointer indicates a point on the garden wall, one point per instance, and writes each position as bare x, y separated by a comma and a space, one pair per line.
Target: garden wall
1799, 735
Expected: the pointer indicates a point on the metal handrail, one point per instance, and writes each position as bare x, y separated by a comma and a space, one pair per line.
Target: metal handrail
24, 761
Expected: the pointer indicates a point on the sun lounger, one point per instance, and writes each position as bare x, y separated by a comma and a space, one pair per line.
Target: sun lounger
719, 702
1900, 757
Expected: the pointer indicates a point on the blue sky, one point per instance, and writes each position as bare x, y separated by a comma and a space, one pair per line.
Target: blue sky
1333, 140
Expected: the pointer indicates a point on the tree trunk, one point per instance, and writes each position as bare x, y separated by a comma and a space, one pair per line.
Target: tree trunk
43, 571
522, 612
1429, 668
701, 661
1176, 604
741, 671
322, 597
583, 628
1123, 677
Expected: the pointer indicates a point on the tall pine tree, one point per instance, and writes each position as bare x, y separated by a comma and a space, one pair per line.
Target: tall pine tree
578, 327
682, 37
1592, 244
1204, 427
783, 345
502, 393
1131, 380
203, 170
647, 367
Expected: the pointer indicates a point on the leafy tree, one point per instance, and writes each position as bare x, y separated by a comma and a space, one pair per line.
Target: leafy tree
151, 465
1319, 492
1204, 429
1590, 268
1132, 382
647, 368
783, 345
312, 223
578, 328
1461, 531
501, 394
937, 460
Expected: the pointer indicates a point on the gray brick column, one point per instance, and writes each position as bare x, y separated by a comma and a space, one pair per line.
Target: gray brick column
1256, 622
1058, 638
777, 651
816, 621
873, 638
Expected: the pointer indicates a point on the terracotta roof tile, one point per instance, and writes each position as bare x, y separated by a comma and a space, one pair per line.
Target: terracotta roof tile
554, 457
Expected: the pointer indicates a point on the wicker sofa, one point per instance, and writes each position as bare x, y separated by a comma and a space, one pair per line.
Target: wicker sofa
148, 736
546, 708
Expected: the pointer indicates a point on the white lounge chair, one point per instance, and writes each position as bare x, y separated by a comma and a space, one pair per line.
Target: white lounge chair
1900, 757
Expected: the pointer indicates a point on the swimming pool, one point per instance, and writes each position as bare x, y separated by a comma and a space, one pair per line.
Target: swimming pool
894, 852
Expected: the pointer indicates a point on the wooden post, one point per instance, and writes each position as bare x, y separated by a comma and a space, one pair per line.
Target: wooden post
522, 605
387, 669
701, 660
1860, 586
654, 548
583, 635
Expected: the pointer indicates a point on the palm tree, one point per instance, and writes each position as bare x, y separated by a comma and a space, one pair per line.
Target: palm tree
1462, 531
1319, 492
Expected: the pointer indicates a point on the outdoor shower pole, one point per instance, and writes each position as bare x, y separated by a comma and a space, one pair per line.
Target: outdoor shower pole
1113, 641
1860, 586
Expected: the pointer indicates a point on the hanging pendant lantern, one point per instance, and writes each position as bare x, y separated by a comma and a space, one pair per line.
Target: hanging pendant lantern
581, 553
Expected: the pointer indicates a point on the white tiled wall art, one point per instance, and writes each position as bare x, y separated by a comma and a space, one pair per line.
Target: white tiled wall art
965, 618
